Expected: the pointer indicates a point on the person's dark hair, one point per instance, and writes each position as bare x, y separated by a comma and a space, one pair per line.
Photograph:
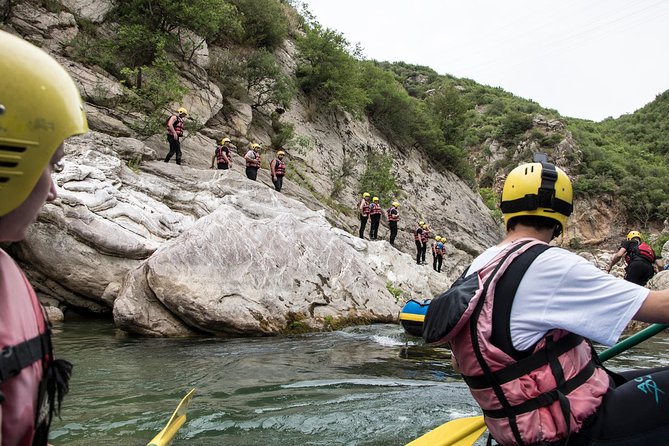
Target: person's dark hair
535, 222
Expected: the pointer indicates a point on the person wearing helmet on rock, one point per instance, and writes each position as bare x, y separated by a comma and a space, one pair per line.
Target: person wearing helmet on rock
252, 159
278, 170
393, 217
363, 212
175, 130
640, 259
425, 236
40, 107
421, 242
521, 342
375, 218
223, 155
437, 255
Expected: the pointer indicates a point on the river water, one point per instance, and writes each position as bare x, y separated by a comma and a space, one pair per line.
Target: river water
368, 385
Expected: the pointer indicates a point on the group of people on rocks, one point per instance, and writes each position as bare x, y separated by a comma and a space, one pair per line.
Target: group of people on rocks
372, 211
222, 157
369, 209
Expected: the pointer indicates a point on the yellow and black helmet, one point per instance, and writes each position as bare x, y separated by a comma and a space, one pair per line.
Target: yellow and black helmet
538, 189
40, 107
224, 140
634, 234
365, 195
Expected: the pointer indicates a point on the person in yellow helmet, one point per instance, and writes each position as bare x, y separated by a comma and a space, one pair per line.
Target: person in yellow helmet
252, 159
421, 242
393, 218
278, 170
40, 108
363, 212
175, 130
223, 155
640, 259
375, 218
519, 319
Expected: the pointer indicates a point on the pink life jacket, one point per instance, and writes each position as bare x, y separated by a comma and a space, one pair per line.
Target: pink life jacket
425, 236
393, 214
222, 155
178, 125
365, 207
279, 168
375, 209
24, 353
539, 395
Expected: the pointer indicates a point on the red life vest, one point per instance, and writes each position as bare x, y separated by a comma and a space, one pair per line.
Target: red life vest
365, 207
641, 250
178, 125
393, 214
537, 396
25, 356
417, 234
253, 162
425, 235
279, 168
221, 153
375, 209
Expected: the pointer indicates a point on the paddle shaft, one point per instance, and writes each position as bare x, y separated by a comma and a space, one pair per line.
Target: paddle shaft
630, 342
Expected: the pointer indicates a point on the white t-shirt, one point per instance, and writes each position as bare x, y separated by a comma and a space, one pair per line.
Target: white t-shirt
563, 290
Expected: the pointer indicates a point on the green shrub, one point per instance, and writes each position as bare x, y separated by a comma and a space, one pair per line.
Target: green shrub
263, 21
377, 179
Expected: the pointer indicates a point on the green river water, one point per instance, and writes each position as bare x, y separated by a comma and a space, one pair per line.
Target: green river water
369, 385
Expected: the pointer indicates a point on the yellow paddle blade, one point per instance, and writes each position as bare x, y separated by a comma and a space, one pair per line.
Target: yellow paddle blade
460, 432
165, 436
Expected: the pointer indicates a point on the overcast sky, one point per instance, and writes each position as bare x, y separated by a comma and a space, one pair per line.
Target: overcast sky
585, 58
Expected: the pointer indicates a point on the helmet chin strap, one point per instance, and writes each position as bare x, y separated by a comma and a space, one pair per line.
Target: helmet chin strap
557, 231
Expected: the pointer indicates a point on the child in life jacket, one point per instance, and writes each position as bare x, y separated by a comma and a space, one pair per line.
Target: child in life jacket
40, 107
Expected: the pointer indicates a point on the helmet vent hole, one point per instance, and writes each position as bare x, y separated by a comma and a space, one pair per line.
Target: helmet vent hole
9, 164
3, 180
12, 149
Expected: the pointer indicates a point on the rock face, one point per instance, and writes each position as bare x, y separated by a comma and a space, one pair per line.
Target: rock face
262, 264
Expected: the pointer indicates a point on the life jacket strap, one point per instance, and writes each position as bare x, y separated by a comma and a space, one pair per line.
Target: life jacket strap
15, 358
547, 398
525, 365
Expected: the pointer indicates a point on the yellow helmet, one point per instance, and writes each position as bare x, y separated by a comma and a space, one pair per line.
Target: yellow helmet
365, 195
182, 110
633, 234
375, 199
224, 140
421, 223
255, 145
437, 238
280, 152
395, 203
40, 107
538, 189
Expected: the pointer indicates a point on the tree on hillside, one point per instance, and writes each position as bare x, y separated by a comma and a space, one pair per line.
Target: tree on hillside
327, 72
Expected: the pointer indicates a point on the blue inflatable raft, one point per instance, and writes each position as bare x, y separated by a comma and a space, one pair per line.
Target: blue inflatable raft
412, 316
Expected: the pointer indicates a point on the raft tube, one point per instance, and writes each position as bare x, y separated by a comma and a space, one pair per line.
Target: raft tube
412, 316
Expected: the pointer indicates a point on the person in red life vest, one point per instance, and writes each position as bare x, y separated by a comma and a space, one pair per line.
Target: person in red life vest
421, 242
435, 254
375, 218
175, 130
439, 251
278, 170
521, 336
40, 107
363, 211
252, 159
223, 155
424, 237
640, 259
393, 217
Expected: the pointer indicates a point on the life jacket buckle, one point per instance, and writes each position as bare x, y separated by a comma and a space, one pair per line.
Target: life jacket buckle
9, 363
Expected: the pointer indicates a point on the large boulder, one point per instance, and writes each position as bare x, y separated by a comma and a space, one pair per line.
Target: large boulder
93, 10
263, 264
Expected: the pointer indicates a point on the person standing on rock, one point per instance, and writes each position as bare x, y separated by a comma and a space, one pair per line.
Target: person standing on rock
375, 218
433, 248
425, 236
363, 211
520, 321
420, 244
440, 251
640, 258
223, 155
393, 219
40, 107
252, 158
278, 170
175, 130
